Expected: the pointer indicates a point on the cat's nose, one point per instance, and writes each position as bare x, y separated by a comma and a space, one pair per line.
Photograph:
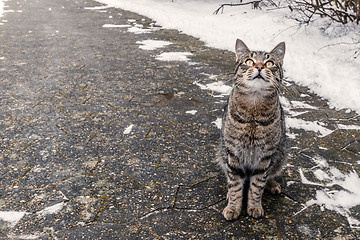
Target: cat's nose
259, 66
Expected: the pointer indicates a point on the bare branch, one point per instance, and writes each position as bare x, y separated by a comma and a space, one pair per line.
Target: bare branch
342, 11
254, 3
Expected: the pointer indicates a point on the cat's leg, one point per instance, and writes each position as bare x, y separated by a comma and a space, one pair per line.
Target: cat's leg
257, 185
234, 196
273, 186
235, 179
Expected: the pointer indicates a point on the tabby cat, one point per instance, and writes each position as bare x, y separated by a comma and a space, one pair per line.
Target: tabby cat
252, 142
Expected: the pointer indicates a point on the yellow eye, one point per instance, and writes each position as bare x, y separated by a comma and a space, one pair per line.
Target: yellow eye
269, 64
249, 62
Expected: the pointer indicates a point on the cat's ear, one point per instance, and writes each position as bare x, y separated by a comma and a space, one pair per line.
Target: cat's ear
279, 51
240, 49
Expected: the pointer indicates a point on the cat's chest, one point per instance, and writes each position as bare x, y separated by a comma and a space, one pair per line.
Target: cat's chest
249, 132
253, 119
253, 127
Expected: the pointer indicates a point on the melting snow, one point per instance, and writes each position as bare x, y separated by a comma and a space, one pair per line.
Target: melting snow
96, 7
24, 236
219, 87
218, 123
299, 104
307, 126
348, 127
174, 56
341, 200
192, 112
128, 129
138, 30
11, 217
152, 44
52, 209
116, 26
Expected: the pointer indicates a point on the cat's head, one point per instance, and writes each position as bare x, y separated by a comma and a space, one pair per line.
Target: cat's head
258, 70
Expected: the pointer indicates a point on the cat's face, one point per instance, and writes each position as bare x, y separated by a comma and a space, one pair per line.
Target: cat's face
258, 70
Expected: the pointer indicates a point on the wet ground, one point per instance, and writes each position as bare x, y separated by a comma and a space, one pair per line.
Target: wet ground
100, 140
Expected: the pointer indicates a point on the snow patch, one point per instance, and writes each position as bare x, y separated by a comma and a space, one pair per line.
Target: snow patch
219, 87
289, 105
11, 217
291, 135
128, 129
174, 56
304, 180
218, 123
138, 29
52, 209
297, 123
340, 201
192, 112
348, 127
152, 44
299, 104
24, 236
116, 26
96, 8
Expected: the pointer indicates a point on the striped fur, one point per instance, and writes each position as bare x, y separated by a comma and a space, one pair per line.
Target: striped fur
252, 143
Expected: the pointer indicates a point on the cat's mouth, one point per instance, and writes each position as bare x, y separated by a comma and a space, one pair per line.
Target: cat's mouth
260, 77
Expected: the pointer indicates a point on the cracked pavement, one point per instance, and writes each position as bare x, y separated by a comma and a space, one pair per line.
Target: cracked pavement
72, 167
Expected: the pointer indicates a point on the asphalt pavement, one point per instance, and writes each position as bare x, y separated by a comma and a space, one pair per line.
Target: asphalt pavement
101, 140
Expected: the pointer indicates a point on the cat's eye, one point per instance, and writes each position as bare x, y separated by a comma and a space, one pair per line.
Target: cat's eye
249, 62
269, 64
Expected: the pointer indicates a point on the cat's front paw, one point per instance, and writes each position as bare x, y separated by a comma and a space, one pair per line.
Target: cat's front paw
230, 214
256, 211
273, 186
276, 189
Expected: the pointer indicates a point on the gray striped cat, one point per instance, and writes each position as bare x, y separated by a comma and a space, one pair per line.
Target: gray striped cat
252, 142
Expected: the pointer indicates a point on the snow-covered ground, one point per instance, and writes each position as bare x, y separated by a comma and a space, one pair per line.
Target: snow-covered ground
317, 56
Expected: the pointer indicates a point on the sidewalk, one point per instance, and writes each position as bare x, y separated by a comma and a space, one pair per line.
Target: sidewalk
101, 140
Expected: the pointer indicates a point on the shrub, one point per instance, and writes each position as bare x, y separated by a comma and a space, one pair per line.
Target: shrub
342, 11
